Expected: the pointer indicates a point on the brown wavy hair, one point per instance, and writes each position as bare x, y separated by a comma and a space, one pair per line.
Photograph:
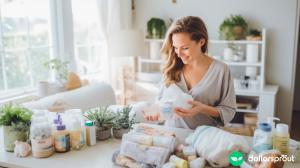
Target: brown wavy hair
196, 28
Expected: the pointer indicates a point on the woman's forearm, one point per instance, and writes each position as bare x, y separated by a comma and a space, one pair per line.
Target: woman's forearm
209, 110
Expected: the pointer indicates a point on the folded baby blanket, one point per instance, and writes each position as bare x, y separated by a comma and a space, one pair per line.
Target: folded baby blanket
215, 145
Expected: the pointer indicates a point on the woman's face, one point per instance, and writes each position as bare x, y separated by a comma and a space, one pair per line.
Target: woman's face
185, 48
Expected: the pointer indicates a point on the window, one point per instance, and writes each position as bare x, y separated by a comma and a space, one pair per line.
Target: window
24, 43
88, 41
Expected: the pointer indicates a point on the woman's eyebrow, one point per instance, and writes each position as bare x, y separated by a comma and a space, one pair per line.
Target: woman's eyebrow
186, 45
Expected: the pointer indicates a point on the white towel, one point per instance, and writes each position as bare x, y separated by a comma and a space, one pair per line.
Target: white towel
215, 145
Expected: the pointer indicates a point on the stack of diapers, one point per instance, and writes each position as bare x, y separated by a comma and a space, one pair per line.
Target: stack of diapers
215, 145
147, 146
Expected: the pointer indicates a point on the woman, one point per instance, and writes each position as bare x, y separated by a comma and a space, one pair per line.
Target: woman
208, 81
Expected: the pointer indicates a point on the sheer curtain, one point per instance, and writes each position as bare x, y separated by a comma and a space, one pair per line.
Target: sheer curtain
114, 16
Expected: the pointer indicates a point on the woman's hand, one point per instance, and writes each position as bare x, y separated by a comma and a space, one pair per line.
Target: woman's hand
151, 117
197, 107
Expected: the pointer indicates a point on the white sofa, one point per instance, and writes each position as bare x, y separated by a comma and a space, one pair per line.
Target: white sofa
90, 96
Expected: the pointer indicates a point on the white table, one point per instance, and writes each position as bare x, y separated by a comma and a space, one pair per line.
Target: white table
98, 156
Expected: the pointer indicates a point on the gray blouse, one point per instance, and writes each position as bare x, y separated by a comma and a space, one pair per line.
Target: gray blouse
214, 89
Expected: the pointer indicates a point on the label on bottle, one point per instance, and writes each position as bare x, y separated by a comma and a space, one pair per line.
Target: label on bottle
77, 139
282, 144
62, 142
42, 147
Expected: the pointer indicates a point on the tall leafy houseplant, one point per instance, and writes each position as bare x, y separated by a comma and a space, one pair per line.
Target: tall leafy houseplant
103, 119
15, 121
60, 67
233, 28
123, 122
156, 28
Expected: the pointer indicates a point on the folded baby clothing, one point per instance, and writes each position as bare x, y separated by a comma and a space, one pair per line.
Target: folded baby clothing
125, 161
148, 145
215, 145
146, 129
168, 142
145, 154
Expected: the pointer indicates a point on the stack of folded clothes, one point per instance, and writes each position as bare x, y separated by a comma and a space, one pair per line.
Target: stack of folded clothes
145, 147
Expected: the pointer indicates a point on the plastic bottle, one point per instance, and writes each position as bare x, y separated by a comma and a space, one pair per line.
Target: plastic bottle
77, 135
271, 120
40, 136
90, 133
262, 139
281, 141
166, 109
61, 139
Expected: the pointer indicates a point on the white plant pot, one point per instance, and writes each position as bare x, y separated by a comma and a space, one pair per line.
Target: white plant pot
228, 54
252, 53
42, 89
155, 50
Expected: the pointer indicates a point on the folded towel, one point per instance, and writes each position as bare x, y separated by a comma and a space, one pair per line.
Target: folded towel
145, 154
215, 145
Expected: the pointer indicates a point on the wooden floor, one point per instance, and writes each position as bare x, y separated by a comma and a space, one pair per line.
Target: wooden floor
295, 128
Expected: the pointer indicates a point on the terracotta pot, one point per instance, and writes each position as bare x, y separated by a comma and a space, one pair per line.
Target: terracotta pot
118, 133
11, 135
103, 134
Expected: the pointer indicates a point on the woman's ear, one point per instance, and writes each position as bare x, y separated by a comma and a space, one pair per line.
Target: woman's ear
202, 42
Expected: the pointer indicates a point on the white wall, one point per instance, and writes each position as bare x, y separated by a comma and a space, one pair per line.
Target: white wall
277, 16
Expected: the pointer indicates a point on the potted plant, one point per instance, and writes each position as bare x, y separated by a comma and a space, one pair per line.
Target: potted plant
60, 67
254, 35
103, 119
156, 29
233, 28
15, 121
123, 122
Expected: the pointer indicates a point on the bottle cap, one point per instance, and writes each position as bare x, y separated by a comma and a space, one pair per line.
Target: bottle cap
89, 123
265, 127
282, 128
61, 127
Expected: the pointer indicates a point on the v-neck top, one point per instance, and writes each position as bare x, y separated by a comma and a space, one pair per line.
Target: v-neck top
201, 80
214, 89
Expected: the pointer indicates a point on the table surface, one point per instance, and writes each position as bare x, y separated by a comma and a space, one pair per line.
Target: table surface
90, 156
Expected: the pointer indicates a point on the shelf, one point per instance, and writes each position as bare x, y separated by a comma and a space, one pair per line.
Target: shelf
155, 40
154, 61
268, 89
235, 42
215, 41
243, 63
247, 110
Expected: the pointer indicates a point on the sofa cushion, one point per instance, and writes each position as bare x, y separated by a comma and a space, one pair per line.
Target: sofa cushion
90, 96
